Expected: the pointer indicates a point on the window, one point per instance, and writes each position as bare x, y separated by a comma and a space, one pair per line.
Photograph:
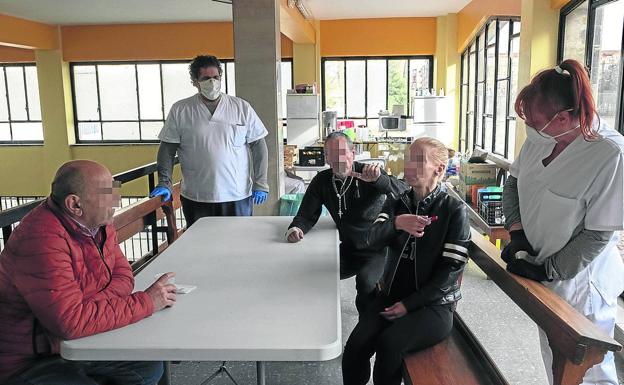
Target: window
489, 82
358, 88
129, 101
592, 32
20, 110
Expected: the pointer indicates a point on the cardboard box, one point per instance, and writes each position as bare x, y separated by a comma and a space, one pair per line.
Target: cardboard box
477, 173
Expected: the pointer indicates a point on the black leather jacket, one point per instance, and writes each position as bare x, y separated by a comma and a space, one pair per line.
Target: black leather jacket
440, 255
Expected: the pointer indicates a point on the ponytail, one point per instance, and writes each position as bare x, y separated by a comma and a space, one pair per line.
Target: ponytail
566, 87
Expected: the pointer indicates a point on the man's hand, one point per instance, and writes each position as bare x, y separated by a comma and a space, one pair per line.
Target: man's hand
395, 311
162, 191
412, 224
163, 294
519, 242
259, 197
528, 270
295, 234
370, 173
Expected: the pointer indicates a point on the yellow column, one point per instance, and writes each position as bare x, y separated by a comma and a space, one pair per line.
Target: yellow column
439, 60
538, 47
56, 110
447, 67
304, 63
453, 72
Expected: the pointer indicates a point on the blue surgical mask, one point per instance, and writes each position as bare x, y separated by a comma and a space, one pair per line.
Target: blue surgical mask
540, 137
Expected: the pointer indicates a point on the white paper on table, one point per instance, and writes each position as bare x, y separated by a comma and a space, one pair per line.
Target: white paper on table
184, 289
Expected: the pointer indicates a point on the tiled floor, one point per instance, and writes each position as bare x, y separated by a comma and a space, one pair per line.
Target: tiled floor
508, 335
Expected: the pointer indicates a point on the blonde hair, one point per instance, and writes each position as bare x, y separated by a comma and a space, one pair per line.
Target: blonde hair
439, 150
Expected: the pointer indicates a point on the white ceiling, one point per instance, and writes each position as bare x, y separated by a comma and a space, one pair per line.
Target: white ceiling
354, 9
68, 12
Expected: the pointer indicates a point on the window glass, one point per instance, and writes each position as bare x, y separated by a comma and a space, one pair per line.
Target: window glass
356, 84
334, 87
397, 85
606, 60
576, 33
20, 109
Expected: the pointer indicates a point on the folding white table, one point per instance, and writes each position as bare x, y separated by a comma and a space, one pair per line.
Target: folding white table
258, 298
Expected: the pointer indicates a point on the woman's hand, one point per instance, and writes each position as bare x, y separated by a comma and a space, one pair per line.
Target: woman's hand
395, 311
412, 224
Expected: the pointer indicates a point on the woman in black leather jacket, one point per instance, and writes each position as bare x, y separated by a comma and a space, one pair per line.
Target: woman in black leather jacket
428, 233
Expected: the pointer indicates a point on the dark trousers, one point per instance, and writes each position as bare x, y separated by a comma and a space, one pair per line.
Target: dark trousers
367, 267
391, 341
194, 210
57, 371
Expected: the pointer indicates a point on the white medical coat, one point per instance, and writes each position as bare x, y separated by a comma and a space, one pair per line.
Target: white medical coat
584, 185
214, 155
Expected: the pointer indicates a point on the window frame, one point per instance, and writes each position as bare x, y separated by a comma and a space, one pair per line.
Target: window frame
589, 39
484, 31
10, 122
345, 59
72, 65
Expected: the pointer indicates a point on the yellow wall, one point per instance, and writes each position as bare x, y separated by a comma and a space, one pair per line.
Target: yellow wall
16, 55
294, 26
369, 37
472, 16
21, 33
558, 4
447, 69
538, 47
151, 41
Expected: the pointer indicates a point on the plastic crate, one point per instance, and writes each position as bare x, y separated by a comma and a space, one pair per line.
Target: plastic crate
490, 205
289, 205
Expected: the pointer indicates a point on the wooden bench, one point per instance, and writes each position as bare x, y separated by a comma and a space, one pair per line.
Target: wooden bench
133, 219
577, 344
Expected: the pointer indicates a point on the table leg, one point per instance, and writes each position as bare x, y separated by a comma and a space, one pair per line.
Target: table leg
261, 368
166, 377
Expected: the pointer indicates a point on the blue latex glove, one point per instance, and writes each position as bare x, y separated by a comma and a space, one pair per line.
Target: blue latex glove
259, 197
162, 191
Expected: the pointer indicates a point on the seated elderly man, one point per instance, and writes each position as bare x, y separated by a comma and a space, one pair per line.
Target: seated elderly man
63, 276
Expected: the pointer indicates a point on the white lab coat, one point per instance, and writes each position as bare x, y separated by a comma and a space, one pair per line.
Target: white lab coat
584, 186
214, 156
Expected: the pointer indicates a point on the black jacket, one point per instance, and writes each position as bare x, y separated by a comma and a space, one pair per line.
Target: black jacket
363, 203
440, 255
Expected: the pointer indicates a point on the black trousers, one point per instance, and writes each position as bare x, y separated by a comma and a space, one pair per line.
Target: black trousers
195, 210
367, 267
391, 341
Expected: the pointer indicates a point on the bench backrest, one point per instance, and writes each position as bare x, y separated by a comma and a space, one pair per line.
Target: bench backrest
576, 342
133, 219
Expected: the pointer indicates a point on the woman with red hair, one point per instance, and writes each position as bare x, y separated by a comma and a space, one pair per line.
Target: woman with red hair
564, 202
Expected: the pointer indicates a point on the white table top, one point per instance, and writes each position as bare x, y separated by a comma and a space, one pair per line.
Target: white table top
258, 298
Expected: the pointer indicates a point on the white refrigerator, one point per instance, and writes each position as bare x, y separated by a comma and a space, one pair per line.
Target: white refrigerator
432, 117
303, 119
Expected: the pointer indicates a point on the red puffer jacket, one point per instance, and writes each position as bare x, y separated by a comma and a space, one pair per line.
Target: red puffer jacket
56, 284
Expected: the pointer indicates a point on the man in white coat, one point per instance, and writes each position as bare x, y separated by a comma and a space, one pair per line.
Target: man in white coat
220, 142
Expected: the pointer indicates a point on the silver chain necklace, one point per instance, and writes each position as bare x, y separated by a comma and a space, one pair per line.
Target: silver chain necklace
341, 194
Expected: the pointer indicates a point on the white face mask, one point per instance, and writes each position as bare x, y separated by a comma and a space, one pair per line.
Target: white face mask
210, 88
539, 137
